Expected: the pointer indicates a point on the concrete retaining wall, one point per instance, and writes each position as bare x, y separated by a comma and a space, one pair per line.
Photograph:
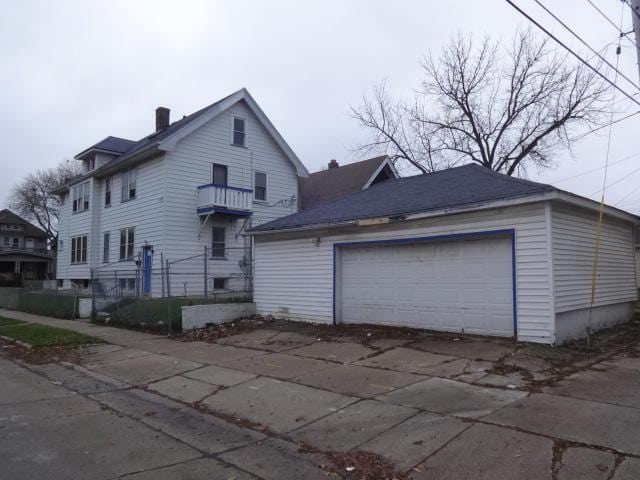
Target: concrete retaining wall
198, 316
573, 325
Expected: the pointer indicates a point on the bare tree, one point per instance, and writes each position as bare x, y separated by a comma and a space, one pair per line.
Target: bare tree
505, 111
33, 200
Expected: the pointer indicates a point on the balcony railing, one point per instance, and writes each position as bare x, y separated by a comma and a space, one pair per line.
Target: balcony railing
214, 198
4, 249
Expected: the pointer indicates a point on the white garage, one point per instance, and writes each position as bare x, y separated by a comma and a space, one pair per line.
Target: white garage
462, 250
459, 285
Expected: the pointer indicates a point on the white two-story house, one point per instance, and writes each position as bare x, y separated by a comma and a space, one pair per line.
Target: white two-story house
194, 183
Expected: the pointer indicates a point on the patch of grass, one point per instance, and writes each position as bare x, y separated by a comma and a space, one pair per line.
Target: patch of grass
38, 335
4, 321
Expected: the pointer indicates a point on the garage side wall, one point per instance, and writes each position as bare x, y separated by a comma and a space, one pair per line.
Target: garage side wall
294, 277
573, 233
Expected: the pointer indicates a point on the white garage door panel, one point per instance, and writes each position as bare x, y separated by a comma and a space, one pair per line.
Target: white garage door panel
455, 285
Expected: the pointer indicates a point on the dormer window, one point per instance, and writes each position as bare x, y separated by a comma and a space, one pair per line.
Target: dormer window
89, 164
239, 131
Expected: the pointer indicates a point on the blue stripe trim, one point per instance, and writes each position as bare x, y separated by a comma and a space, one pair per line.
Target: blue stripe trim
226, 187
241, 213
400, 241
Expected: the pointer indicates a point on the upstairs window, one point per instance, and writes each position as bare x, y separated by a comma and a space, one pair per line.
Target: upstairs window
219, 175
239, 132
129, 180
105, 247
218, 236
80, 195
107, 191
260, 186
127, 238
79, 249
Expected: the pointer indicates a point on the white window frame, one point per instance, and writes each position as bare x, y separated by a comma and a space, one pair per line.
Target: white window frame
129, 244
79, 249
106, 247
266, 186
80, 195
233, 130
224, 243
108, 191
126, 183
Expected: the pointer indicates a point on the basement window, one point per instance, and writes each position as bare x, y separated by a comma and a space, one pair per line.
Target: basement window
219, 283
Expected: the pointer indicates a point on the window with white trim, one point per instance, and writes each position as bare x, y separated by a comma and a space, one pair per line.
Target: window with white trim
106, 240
260, 186
218, 241
239, 131
127, 238
79, 249
129, 181
107, 191
80, 195
219, 175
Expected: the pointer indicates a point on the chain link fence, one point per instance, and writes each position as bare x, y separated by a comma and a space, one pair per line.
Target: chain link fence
149, 293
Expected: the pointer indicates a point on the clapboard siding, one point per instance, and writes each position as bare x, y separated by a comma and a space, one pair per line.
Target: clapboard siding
294, 277
573, 238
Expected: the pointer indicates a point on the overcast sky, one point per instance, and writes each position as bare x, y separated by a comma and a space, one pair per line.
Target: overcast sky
73, 72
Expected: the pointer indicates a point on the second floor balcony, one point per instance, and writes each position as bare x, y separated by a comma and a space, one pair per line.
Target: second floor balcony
18, 250
213, 198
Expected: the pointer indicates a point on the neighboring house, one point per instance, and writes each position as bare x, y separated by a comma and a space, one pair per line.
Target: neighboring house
195, 183
23, 250
460, 250
336, 182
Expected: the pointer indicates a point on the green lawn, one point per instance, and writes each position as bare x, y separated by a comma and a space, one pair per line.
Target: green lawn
4, 321
38, 335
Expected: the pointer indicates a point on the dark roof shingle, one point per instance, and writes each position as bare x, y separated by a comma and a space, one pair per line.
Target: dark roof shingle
334, 183
454, 187
30, 230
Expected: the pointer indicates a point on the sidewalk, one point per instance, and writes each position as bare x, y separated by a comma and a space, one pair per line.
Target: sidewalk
436, 410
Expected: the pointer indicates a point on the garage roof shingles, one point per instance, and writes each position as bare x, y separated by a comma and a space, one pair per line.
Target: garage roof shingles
454, 187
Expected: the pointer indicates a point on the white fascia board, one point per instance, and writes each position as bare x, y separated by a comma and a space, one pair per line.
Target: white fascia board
169, 143
385, 162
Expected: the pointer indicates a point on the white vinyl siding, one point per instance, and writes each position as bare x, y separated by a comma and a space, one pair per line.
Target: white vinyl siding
573, 240
294, 277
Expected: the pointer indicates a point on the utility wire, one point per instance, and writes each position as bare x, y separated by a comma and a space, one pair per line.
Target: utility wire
582, 135
586, 44
606, 17
578, 57
562, 180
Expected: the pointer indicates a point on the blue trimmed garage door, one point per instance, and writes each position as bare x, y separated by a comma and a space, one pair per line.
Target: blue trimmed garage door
460, 285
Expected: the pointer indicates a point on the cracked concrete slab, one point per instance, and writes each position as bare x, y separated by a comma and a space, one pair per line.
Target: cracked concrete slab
279, 365
485, 452
629, 469
576, 420
251, 339
279, 405
20, 385
43, 410
95, 356
145, 369
198, 469
342, 352
453, 398
463, 367
197, 429
585, 464
79, 379
358, 380
183, 389
406, 360
219, 376
353, 425
491, 350
276, 459
415, 439
612, 385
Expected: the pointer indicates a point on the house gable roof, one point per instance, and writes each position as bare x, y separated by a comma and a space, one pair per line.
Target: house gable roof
30, 230
115, 145
334, 183
451, 188
167, 138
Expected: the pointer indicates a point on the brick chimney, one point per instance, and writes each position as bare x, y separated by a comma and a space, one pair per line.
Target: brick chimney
333, 163
162, 118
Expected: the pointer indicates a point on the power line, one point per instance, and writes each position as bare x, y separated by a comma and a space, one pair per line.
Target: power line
559, 42
627, 195
606, 17
586, 44
593, 130
633, 155
622, 179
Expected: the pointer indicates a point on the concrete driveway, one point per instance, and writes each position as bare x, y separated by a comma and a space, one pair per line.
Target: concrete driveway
272, 404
